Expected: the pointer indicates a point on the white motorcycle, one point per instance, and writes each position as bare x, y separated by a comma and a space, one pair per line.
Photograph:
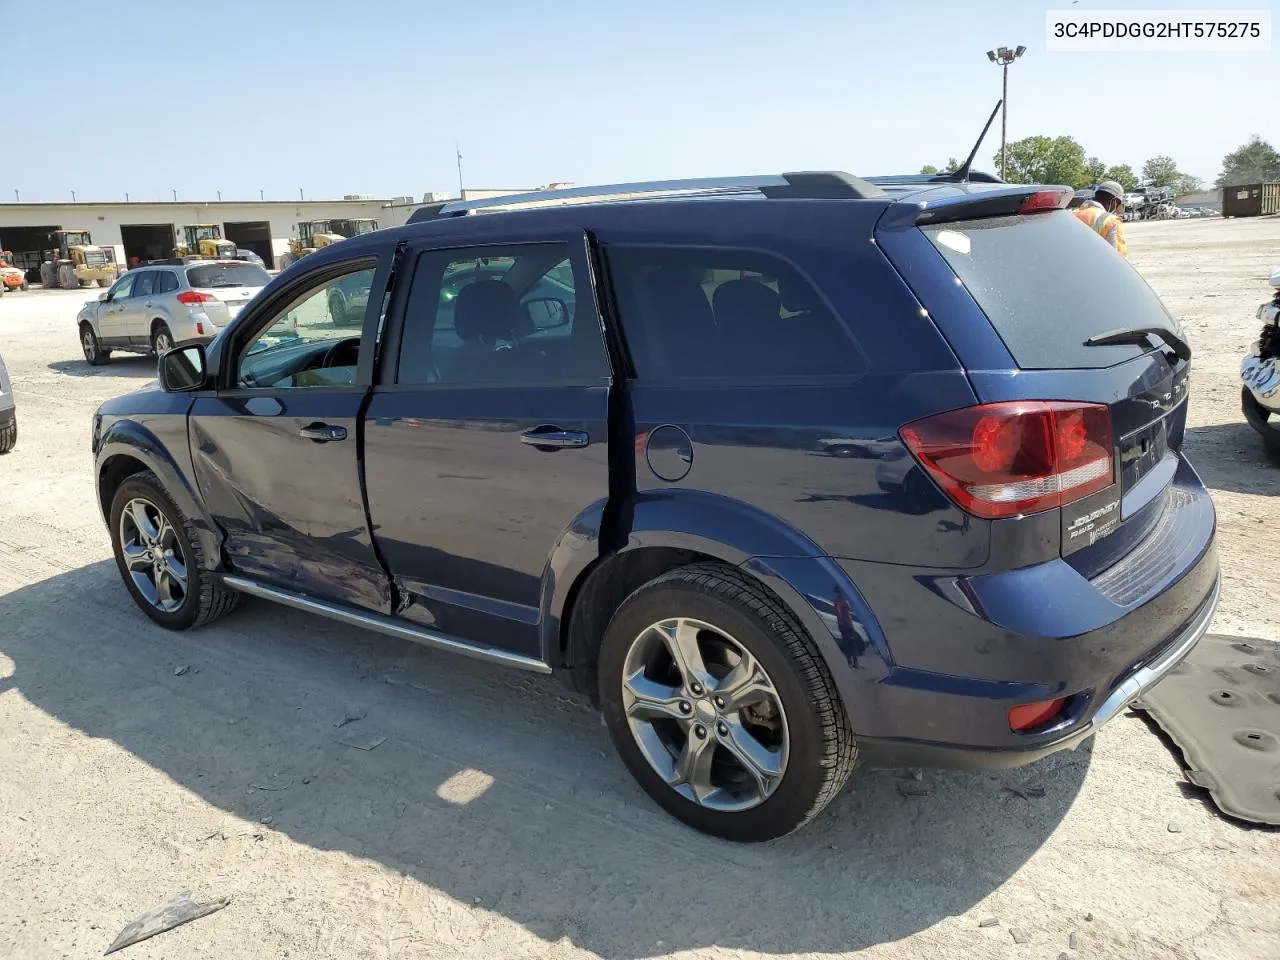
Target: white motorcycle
1260, 372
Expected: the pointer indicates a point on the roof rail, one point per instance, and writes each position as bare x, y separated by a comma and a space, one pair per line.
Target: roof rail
804, 185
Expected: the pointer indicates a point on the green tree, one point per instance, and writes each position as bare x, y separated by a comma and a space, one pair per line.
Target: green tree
1187, 183
1122, 174
930, 170
1257, 161
1096, 170
1046, 160
1161, 172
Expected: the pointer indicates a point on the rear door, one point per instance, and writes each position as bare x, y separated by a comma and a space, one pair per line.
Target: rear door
490, 435
1047, 284
136, 313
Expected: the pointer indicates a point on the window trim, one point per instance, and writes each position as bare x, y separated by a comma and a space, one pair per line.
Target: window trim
576, 253
247, 326
735, 379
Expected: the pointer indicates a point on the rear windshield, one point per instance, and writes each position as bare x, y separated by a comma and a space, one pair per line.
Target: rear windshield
1048, 283
212, 275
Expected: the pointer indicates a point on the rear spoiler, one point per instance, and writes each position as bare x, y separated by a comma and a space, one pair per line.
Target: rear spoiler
973, 202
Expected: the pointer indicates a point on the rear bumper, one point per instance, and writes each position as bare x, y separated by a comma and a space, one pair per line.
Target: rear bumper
893, 753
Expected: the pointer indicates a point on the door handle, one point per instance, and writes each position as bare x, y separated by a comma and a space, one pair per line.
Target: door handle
322, 433
553, 438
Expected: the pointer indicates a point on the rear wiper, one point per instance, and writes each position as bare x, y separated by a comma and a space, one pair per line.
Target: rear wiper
1138, 335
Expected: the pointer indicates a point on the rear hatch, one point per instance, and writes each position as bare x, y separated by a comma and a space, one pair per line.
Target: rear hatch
1052, 289
223, 287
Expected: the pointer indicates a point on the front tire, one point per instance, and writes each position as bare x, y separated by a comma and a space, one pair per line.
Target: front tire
104, 282
721, 706
160, 558
8, 436
338, 308
92, 347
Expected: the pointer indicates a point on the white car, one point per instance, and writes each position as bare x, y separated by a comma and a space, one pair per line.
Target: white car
153, 307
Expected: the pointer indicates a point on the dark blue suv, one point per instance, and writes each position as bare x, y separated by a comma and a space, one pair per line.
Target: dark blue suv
776, 470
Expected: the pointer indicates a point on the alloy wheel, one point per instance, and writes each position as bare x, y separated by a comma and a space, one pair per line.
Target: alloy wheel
89, 343
153, 555
705, 714
163, 342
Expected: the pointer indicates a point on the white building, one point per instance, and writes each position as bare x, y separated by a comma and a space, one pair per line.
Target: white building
149, 231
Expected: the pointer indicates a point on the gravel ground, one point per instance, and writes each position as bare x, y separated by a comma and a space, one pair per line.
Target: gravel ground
494, 821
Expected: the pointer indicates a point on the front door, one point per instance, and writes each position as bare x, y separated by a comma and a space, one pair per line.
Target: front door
137, 309
111, 312
491, 436
276, 449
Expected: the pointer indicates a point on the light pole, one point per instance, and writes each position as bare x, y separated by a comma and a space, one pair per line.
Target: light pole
1004, 56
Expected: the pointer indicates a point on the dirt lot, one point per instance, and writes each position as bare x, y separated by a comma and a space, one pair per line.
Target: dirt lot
494, 821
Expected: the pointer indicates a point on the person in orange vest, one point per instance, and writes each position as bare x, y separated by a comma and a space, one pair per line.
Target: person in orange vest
1102, 215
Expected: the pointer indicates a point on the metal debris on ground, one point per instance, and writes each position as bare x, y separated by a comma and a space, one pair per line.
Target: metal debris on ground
1175, 826
913, 789
1073, 941
1018, 935
989, 922
366, 741
1027, 793
174, 912
182, 670
1221, 708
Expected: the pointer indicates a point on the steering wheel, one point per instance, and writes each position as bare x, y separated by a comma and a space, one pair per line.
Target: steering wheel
331, 354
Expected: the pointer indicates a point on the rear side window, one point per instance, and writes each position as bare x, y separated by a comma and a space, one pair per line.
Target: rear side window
167, 282
215, 275
714, 313
1048, 283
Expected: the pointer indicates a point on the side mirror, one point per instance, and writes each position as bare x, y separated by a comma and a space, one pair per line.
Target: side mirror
182, 369
104, 294
547, 312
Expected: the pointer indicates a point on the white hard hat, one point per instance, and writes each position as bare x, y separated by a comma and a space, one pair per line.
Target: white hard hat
1275, 278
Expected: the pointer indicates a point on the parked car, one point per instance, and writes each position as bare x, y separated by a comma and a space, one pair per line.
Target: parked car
248, 256
8, 412
1260, 373
633, 488
152, 307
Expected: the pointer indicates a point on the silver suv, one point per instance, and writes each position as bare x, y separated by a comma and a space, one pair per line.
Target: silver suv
8, 418
153, 307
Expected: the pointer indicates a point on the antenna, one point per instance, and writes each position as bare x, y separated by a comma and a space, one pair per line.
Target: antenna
962, 175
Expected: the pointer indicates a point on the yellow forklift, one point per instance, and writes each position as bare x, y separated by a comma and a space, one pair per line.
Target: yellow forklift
204, 241
312, 236
73, 260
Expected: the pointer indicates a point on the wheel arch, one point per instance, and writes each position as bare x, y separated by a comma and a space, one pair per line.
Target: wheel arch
128, 448
585, 584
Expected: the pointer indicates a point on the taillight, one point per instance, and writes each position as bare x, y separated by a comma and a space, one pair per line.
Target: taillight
192, 297
1028, 716
1006, 459
1045, 200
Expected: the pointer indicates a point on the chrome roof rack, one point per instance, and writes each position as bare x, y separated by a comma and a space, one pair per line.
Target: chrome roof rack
808, 185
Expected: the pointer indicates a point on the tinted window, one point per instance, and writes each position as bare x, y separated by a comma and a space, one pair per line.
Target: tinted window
1048, 283
145, 285
503, 315
213, 275
705, 312
167, 282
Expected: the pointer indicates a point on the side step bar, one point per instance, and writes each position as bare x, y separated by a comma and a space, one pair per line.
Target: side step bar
381, 624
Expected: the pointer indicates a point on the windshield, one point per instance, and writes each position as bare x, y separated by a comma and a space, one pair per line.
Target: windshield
77, 239
1047, 283
359, 227
206, 233
214, 275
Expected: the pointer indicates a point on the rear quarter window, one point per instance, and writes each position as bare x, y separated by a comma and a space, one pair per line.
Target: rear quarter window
694, 313
227, 275
1047, 283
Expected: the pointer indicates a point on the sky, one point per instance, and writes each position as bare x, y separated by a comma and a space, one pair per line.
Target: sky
370, 97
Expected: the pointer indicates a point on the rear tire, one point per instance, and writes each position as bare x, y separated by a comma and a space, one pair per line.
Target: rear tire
104, 283
337, 308
67, 278
26, 284
92, 347
155, 535
161, 340
683, 739
48, 277
8, 436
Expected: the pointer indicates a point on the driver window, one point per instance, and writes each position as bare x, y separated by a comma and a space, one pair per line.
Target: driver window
121, 289
314, 341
